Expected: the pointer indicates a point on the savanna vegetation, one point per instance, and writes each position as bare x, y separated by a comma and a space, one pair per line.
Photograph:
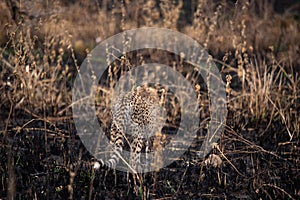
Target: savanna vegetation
255, 45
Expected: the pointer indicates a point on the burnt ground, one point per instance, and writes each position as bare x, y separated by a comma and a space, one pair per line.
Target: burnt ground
47, 159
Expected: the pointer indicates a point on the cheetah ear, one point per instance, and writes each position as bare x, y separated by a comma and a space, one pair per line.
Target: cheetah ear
134, 88
162, 90
138, 87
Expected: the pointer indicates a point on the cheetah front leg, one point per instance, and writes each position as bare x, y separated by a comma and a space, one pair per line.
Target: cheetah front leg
135, 155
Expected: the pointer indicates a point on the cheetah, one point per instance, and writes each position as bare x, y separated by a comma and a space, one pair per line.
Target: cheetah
137, 118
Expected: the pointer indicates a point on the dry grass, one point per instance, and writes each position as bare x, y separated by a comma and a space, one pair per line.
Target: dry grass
256, 49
